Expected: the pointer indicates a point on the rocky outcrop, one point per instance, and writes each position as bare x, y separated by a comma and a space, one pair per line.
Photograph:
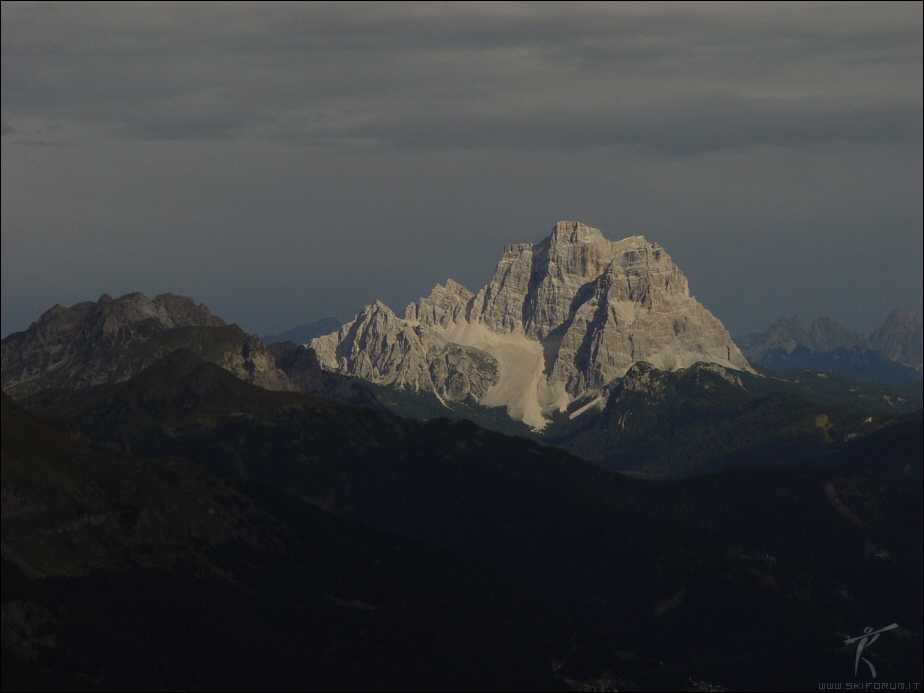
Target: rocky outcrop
113, 339
826, 334
901, 338
785, 334
409, 353
559, 320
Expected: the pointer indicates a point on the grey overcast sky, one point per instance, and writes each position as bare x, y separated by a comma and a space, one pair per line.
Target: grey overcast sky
285, 162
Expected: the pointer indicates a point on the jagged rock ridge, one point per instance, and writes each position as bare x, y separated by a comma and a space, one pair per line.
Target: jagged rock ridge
559, 321
113, 339
787, 334
892, 353
901, 338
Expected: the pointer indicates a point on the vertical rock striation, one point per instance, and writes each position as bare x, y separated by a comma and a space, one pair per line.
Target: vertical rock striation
559, 321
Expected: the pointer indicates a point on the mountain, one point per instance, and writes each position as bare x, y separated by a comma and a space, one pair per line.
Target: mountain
786, 335
761, 564
112, 339
560, 320
891, 354
901, 338
302, 334
656, 422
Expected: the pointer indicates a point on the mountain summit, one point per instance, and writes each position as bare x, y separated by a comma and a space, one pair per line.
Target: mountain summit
891, 354
559, 321
114, 338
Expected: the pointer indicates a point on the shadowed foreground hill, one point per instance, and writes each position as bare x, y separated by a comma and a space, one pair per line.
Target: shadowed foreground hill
121, 574
748, 579
895, 453
706, 418
702, 419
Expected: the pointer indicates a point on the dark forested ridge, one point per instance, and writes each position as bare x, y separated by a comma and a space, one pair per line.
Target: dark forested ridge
126, 574
604, 579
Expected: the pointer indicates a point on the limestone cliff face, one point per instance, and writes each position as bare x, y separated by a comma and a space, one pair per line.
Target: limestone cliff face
410, 353
113, 339
377, 346
601, 307
559, 321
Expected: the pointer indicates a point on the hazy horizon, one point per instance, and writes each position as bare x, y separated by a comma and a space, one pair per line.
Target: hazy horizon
283, 163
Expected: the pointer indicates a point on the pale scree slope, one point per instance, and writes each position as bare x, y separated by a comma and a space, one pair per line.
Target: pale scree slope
559, 321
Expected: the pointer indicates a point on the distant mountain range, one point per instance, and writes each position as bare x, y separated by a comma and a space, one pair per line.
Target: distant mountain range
185, 507
893, 353
658, 422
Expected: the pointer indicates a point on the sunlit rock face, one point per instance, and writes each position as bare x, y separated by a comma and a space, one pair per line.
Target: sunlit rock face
559, 321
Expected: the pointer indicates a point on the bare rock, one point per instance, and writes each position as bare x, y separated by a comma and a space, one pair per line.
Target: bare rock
559, 321
112, 340
901, 338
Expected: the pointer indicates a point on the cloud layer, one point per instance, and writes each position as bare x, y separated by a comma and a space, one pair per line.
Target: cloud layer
291, 144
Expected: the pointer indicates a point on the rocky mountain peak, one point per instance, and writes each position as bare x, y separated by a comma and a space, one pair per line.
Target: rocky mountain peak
891, 354
112, 339
786, 335
826, 334
445, 305
899, 338
543, 279
573, 232
182, 310
559, 320
131, 311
